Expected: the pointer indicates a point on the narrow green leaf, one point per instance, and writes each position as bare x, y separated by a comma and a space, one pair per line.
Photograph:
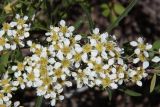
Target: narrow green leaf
131, 92
78, 23
39, 101
153, 83
118, 8
109, 94
156, 45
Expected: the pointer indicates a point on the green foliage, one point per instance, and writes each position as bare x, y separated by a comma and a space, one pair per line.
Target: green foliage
156, 45
106, 10
119, 8
153, 83
130, 92
4, 59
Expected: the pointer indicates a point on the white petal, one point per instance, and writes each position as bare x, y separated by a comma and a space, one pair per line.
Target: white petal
53, 102
66, 42
29, 43
148, 46
61, 97
156, 59
26, 34
94, 53
145, 64
71, 29
140, 40
2, 33
84, 57
7, 46
78, 37
136, 60
146, 54
96, 31
25, 17
111, 53
16, 104
133, 43
113, 86
137, 51
62, 23
93, 42
139, 83
98, 82
111, 61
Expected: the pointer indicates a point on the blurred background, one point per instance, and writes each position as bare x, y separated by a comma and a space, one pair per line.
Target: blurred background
143, 20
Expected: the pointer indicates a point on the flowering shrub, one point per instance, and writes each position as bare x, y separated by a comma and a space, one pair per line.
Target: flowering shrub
66, 58
95, 60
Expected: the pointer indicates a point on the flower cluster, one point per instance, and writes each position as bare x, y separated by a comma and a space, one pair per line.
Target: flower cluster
93, 60
12, 34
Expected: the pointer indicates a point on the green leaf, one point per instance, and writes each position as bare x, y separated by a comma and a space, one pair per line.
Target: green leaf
4, 59
130, 92
156, 45
106, 10
153, 83
104, 6
105, 13
18, 55
109, 94
78, 23
113, 17
2, 68
118, 8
